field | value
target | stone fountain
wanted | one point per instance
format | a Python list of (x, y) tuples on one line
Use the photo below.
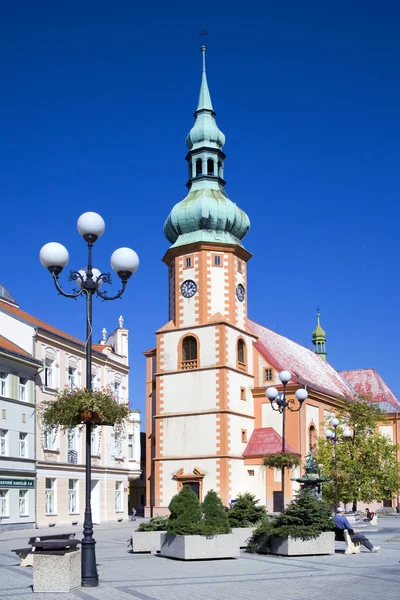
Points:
[(312, 479)]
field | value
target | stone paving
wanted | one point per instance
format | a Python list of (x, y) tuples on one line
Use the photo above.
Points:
[(125, 576)]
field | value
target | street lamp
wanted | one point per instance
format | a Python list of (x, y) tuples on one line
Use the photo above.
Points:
[(331, 436), (279, 403), (124, 262)]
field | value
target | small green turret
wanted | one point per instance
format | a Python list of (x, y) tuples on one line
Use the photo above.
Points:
[(319, 339)]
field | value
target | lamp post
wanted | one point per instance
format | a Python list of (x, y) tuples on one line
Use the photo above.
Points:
[(124, 262), (331, 436), (279, 403)]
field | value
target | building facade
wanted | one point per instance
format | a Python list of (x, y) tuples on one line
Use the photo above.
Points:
[(208, 422), (60, 457), (18, 370)]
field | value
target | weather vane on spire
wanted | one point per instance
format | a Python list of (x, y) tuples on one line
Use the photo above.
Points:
[(202, 34)]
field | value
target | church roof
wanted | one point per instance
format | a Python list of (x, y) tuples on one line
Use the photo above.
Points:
[(370, 383), (264, 441), (306, 367)]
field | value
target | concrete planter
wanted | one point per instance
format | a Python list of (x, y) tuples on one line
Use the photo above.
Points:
[(199, 547), (242, 535), (146, 541), (55, 573), (323, 544)]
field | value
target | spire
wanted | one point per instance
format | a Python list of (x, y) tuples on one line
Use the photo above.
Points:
[(204, 102), (319, 338)]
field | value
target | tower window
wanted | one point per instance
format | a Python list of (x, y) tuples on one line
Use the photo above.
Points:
[(199, 167), (188, 262), (240, 266), (189, 353), (241, 354), (217, 260), (219, 168), (243, 393), (244, 436), (312, 438), (210, 166)]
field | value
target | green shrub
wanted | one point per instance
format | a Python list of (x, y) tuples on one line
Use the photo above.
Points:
[(215, 516), (282, 459), (185, 514), (155, 524), (246, 512), (305, 518)]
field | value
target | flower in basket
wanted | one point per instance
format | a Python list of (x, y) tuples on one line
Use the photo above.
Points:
[(73, 407)]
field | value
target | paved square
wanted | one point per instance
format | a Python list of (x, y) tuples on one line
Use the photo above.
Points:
[(126, 576)]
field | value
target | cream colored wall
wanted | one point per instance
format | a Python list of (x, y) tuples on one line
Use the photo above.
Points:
[(18, 332), (189, 304), (235, 382), (190, 391), (172, 340), (271, 418), (237, 447), (183, 436), (170, 467), (232, 338), (243, 482), (241, 307), (219, 278), (386, 430)]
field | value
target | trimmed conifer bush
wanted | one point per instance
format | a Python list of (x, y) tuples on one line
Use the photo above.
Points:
[(246, 512), (155, 524), (215, 516), (185, 514), (306, 517)]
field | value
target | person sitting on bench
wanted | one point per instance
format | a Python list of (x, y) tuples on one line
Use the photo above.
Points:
[(342, 523)]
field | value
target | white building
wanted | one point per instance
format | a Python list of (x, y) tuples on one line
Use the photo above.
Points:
[(60, 458)]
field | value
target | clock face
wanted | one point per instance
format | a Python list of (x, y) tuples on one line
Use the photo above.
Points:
[(188, 288), (240, 292)]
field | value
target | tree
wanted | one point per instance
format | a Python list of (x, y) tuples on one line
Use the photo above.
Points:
[(246, 511), (185, 513), (215, 517), (367, 465)]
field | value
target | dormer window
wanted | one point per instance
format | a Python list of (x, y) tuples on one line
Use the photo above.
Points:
[(210, 166)]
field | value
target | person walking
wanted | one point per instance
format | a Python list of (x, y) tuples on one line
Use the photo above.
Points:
[(341, 523)]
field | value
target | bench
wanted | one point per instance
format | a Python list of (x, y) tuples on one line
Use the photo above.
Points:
[(25, 554), (351, 547)]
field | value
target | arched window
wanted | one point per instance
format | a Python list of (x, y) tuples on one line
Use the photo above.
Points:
[(189, 353), (241, 353), (210, 166), (199, 167), (312, 438)]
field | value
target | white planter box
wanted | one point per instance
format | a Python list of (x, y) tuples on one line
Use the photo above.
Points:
[(56, 573), (242, 535), (199, 547), (323, 544), (146, 541)]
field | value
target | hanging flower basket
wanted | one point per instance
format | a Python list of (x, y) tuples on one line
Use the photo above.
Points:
[(282, 460), (75, 407)]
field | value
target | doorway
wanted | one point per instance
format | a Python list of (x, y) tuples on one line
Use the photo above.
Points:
[(277, 502), (95, 501)]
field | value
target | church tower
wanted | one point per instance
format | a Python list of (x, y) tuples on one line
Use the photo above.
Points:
[(200, 414), (319, 339)]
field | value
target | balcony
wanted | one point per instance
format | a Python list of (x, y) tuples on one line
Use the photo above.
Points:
[(188, 365)]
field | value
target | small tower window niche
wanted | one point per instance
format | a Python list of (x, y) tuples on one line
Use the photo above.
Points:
[(220, 169), (199, 167), (241, 354), (312, 438), (189, 353), (210, 166)]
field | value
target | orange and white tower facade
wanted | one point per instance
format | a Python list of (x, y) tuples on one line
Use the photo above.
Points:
[(200, 410)]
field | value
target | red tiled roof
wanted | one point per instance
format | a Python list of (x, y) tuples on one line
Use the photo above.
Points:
[(11, 347), (370, 383), (266, 441), (14, 310), (306, 367)]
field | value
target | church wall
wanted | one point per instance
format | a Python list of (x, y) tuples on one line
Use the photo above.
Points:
[(193, 436), (243, 482), (232, 338), (172, 341), (190, 391), (241, 307), (218, 280), (312, 417), (237, 426), (271, 418), (170, 467), (236, 382)]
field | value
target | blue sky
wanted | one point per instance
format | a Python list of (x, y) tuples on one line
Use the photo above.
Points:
[(96, 100)]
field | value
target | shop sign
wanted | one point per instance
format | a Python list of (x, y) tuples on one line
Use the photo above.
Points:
[(17, 483)]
